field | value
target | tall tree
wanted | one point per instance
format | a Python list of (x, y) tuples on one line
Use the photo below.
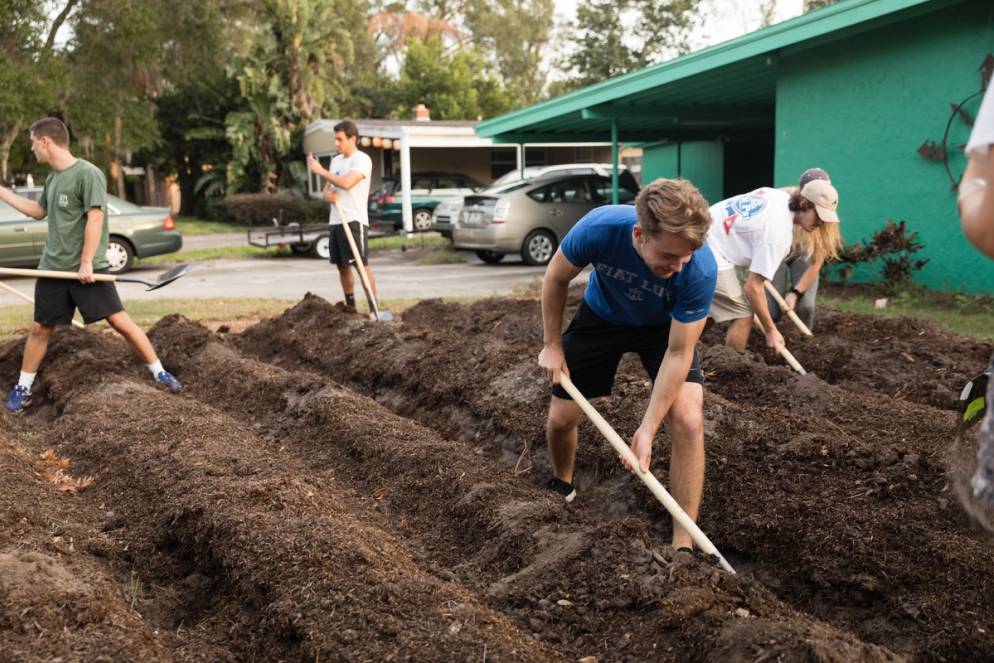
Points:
[(31, 71), (514, 36), (453, 84), (121, 62), (613, 37), (294, 68)]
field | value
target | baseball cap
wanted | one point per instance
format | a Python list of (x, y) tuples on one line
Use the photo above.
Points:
[(825, 198), (812, 174)]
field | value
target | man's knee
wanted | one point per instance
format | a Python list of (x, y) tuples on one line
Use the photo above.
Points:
[(563, 415), (40, 331), (686, 423)]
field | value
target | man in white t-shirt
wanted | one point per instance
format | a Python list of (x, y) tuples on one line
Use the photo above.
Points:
[(756, 230), (347, 183)]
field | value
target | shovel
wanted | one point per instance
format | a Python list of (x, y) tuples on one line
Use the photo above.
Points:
[(784, 352), (671, 505), (30, 300), (153, 284), (377, 314), (778, 298)]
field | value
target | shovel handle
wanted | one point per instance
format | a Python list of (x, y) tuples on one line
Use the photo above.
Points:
[(30, 300), (671, 505), (784, 352), (778, 298), (358, 261), (50, 274)]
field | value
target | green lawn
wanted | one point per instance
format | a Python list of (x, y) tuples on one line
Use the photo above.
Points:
[(964, 314), (191, 225)]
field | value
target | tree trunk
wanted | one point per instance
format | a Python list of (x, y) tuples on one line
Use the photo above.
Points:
[(6, 140), (117, 171)]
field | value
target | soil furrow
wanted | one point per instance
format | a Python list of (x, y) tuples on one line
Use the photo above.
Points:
[(830, 496), (588, 586)]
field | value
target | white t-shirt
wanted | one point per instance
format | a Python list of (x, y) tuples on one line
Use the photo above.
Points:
[(352, 201), (982, 136), (753, 230)]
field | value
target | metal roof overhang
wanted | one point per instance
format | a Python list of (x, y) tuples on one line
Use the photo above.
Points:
[(719, 91)]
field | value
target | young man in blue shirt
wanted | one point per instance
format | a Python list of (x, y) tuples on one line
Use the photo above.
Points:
[(649, 293)]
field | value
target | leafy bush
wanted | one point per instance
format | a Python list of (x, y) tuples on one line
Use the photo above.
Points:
[(894, 245), (259, 209)]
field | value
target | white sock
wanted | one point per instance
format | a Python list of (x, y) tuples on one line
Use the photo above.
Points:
[(26, 380), (156, 368)]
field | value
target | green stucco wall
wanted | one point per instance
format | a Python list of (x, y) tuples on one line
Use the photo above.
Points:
[(861, 107), (700, 162)]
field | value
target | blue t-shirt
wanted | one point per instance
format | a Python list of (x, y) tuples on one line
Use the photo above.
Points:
[(622, 289)]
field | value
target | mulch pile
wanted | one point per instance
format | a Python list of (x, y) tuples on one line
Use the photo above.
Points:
[(330, 488)]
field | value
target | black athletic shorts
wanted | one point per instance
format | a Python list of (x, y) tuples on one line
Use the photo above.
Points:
[(593, 348), (338, 244), (56, 300)]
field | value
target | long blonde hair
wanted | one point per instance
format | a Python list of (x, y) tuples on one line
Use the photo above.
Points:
[(822, 243)]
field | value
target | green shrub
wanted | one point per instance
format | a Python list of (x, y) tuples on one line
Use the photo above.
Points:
[(259, 209), (893, 245)]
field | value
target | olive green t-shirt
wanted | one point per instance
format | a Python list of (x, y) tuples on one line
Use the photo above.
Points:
[(67, 197)]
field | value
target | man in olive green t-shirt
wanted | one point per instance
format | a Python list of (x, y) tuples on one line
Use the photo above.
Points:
[(75, 201)]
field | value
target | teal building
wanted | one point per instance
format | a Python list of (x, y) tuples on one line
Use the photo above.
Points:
[(880, 93)]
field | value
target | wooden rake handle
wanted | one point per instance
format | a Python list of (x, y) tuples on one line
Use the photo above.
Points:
[(358, 261), (18, 293), (784, 352), (778, 298), (702, 541)]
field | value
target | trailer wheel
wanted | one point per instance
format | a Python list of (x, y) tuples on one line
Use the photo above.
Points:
[(322, 247), (304, 249)]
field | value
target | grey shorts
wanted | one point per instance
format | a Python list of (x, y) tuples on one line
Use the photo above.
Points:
[(729, 301)]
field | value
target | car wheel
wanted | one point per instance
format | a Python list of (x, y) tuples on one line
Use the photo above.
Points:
[(490, 257), (538, 247), (422, 220), (322, 247), (302, 249), (120, 255)]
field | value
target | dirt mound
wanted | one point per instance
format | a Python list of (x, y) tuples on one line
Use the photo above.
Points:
[(58, 597), (830, 497), (326, 487), (899, 357)]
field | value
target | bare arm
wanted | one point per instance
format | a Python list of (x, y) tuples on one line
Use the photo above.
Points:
[(23, 205), (91, 240), (976, 205), (555, 286), (755, 292), (672, 374), (346, 181)]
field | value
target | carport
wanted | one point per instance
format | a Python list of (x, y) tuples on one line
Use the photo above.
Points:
[(409, 146)]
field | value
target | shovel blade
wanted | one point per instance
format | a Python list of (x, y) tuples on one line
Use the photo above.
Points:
[(168, 277)]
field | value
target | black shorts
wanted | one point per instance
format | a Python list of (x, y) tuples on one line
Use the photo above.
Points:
[(56, 300), (593, 348), (338, 244)]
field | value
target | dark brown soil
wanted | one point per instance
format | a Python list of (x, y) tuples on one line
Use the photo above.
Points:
[(329, 488)]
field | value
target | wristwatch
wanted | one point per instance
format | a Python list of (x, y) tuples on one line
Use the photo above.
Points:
[(797, 292)]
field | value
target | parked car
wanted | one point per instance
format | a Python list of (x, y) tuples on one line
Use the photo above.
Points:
[(532, 217), (444, 217), (135, 232), (534, 172), (427, 191)]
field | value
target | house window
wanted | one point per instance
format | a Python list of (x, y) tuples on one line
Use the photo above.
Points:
[(502, 160)]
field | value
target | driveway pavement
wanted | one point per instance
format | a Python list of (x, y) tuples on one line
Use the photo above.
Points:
[(399, 275)]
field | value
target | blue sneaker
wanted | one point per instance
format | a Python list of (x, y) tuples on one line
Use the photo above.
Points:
[(168, 379), (18, 398)]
